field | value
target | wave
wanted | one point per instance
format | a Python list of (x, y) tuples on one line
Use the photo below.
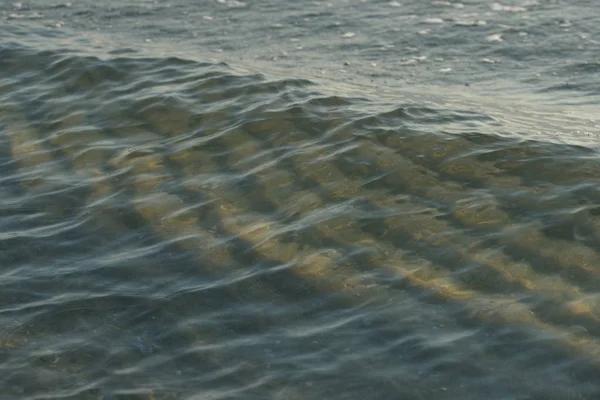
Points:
[(171, 227)]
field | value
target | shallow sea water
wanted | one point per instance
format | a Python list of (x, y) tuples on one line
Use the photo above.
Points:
[(313, 200)]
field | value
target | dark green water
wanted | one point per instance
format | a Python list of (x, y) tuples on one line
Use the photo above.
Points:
[(195, 206)]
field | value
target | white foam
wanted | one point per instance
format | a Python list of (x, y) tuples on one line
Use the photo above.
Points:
[(433, 21), (502, 7)]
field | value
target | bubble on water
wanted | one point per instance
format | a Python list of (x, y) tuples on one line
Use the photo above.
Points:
[(348, 35), (412, 60), (208, 17), (433, 21), (565, 23), (496, 37), (232, 3), (449, 4), (394, 4), (488, 61), (34, 15), (58, 24), (466, 22), (502, 7), (445, 70)]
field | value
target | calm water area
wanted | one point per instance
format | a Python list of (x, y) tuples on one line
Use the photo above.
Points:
[(343, 199)]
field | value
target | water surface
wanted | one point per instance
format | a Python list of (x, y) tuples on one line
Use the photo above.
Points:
[(299, 201)]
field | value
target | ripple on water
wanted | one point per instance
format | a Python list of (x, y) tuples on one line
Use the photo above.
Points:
[(171, 228)]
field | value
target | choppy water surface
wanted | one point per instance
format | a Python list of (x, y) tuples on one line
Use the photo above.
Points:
[(179, 226)]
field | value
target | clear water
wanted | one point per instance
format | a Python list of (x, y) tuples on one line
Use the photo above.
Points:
[(310, 200)]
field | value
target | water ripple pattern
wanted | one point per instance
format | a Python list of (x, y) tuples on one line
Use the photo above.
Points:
[(171, 229)]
